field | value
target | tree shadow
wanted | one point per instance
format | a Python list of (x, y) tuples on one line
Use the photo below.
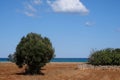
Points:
[(20, 73), (27, 73)]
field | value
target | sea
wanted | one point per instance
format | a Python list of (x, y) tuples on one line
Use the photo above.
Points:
[(57, 60)]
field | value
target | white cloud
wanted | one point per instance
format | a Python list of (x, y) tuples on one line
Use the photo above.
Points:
[(89, 23), (30, 7), (33, 7), (29, 14), (72, 6), (36, 2)]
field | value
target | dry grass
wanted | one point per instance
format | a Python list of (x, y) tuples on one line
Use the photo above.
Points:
[(58, 71)]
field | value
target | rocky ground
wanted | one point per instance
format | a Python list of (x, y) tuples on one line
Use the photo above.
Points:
[(62, 71)]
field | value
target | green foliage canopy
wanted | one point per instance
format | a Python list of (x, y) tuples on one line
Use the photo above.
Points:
[(34, 51), (107, 56)]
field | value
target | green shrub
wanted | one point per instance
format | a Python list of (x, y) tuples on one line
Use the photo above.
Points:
[(34, 51), (11, 57), (107, 56)]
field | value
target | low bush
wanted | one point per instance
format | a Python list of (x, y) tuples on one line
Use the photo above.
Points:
[(107, 56)]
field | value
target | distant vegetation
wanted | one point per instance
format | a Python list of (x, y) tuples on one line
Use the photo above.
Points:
[(11, 57), (34, 51), (107, 56)]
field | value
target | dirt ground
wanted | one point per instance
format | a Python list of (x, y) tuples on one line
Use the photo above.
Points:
[(58, 71)]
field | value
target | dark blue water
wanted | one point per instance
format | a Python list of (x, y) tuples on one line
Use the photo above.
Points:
[(69, 60), (57, 60), (4, 60)]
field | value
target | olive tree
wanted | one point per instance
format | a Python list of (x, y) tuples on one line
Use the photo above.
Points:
[(33, 51)]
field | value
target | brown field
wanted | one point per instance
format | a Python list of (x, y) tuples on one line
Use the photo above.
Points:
[(58, 71)]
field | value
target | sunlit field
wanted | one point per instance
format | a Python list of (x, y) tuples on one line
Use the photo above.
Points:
[(58, 71)]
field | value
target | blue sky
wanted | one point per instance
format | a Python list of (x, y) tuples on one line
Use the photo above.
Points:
[(75, 27)]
